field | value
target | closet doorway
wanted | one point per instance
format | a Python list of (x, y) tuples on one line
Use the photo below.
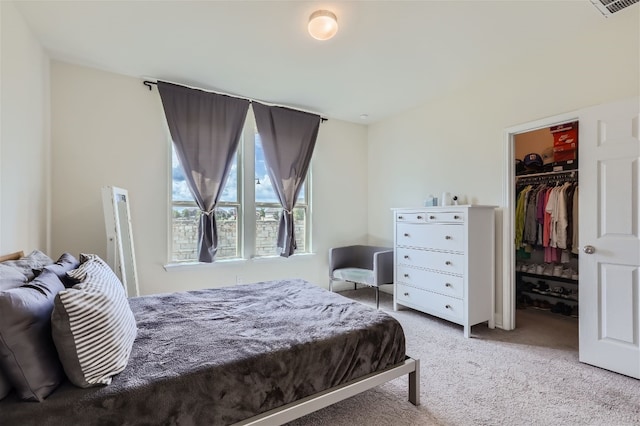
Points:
[(546, 227), (540, 276)]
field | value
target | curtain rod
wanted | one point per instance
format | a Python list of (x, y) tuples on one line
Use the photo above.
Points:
[(148, 83)]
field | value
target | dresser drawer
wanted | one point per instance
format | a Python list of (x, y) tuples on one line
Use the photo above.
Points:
[(445, 217), (451, 263), (449, 285), (448, 237), (420, 217), (431, 303)]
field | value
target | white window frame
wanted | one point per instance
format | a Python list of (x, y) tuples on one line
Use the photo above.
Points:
[(246, 205)]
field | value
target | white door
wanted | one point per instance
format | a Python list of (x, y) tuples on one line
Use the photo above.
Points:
[(609, 200)]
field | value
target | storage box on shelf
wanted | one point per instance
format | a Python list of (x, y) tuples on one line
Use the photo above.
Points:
[(565, 146), (444, 262), (565, 165)]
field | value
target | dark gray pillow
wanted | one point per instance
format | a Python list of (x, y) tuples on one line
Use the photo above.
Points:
[(34, 260), (27, 354), (5, 385), (95, 311), (64, 264), (10, 277)]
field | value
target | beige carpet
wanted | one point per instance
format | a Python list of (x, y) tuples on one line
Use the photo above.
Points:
[(529, 376)]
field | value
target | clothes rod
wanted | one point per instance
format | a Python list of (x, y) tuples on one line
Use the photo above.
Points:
[(557, 177), (148, 83), (560, 172)]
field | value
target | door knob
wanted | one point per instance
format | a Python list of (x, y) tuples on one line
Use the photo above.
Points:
[(589, 249)]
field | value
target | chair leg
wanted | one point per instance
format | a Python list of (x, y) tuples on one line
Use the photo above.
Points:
[(377, 297), (355, 286), (331, 284)]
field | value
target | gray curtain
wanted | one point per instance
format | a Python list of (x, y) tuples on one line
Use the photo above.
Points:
[(288, 138), (205, 128)]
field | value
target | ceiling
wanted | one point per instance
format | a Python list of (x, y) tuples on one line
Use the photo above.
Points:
[(387, 57)]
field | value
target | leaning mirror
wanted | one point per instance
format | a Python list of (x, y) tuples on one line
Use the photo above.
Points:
[(120, 252)]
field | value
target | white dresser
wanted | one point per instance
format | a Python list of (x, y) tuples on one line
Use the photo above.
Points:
[(444, 262)]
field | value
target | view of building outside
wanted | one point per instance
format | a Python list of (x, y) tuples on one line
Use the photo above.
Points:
[(186, 215), (185, 234)]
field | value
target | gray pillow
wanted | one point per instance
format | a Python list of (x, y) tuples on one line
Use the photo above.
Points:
[(27, 354), (34, 260), (95, 311), (10, 277), (5, 385), (64, 264)]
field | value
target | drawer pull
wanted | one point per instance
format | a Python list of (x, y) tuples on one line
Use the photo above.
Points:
[(406, 294), (400, 217), (448, 237), (432, 217), (448, 263), (419, 217), (406, 256), (447, 285), (406, 275), (406, 235), (456, 217), (448, 307)]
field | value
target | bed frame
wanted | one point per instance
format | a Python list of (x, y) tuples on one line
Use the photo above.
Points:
[(312, 403)]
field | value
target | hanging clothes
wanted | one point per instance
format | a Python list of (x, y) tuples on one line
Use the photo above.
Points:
[(570, 197), (521, 206), (575, 245), (546, 218)]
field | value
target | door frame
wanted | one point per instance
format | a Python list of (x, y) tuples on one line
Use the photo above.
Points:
[(509, 202)]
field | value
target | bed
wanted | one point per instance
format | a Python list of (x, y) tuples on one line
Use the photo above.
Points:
[(262, 353)]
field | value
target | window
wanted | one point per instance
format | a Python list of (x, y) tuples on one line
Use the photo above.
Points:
[(268, 210), (248, 189), (186, 216)]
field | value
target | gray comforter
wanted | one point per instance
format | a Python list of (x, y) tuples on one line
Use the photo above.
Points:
[(217, 356)]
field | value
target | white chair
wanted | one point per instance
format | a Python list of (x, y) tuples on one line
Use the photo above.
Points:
[(361, 264)]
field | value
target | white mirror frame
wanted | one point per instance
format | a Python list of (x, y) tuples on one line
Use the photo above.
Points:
[(120, 252)]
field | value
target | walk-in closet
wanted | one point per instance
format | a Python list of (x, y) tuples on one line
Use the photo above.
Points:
[(546, 222)]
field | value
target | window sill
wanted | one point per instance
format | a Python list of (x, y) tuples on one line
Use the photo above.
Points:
[(183, 266)]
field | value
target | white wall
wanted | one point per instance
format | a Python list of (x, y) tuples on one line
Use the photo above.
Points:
[(109, 129), (24, 136), (456, 143)]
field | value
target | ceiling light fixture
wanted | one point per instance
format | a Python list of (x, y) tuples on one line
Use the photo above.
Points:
[(323, 25)]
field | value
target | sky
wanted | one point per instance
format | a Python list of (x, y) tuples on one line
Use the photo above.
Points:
[(264, 190)]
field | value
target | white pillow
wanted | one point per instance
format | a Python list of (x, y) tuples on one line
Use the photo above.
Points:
[(92, 324), (34, 260)]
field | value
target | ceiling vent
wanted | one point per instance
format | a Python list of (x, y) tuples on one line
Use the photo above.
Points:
[(609, 7)]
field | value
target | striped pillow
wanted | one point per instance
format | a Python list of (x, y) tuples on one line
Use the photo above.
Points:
[(92, 324)]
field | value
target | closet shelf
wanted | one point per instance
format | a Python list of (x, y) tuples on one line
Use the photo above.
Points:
[(548, 277), (537, 294)]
